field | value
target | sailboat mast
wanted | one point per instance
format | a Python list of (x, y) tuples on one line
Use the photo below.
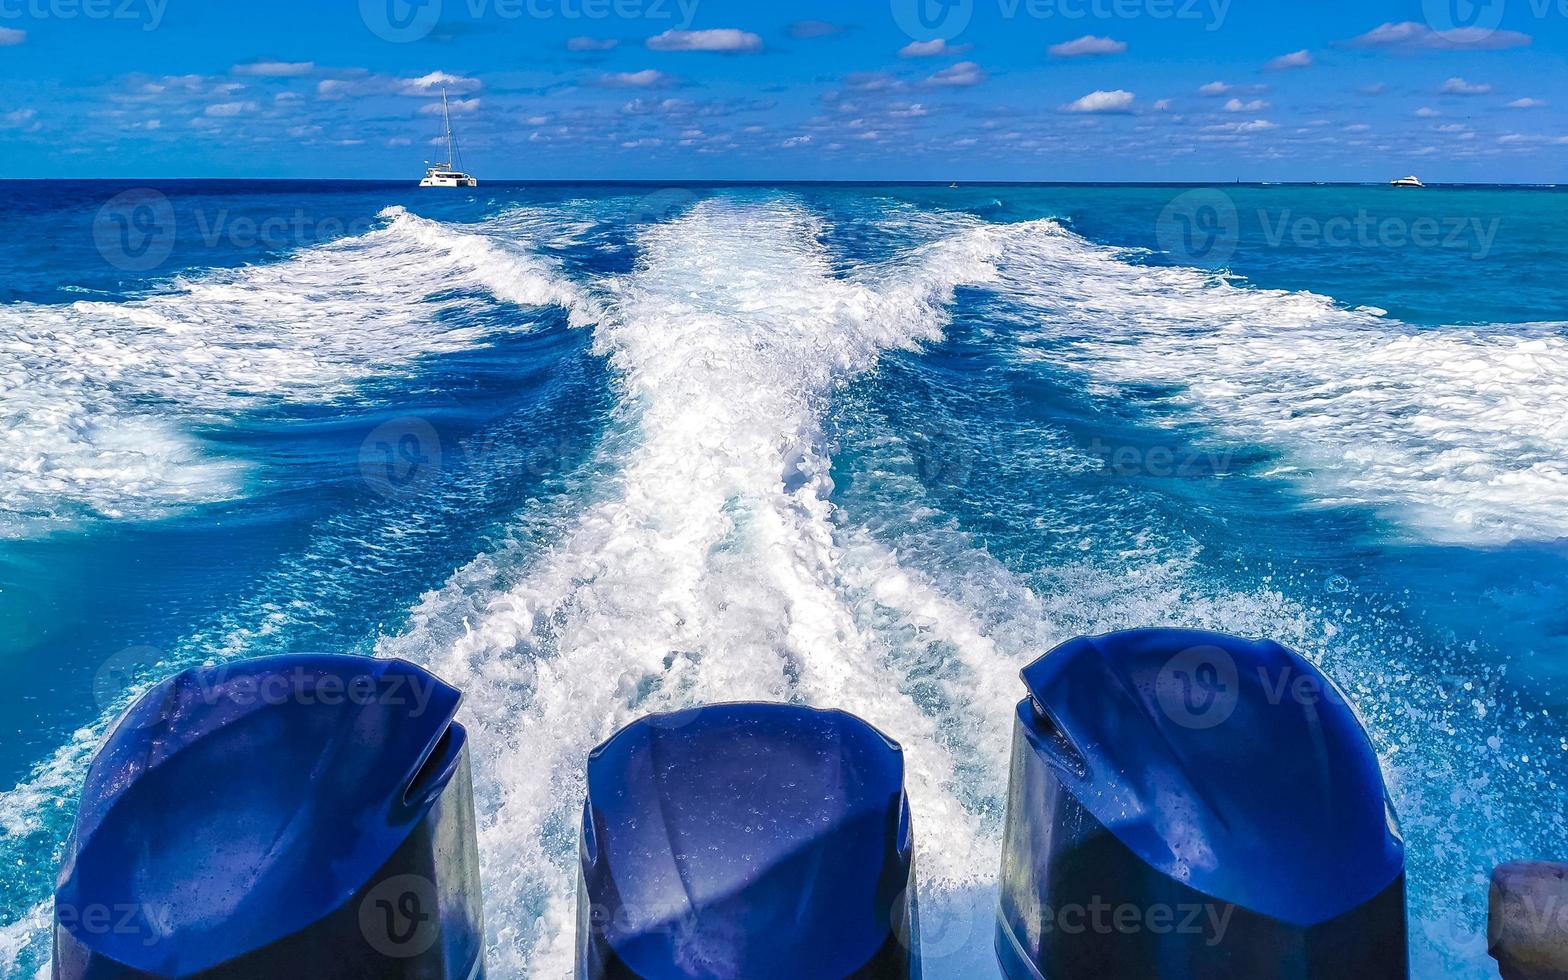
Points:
[(446, 113)]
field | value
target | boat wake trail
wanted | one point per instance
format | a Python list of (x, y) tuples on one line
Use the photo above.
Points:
[(100, 400), (711, 568), (1456, 433), (703, 553)]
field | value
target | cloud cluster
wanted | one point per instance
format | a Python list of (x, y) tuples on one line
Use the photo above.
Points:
[(1459, 86), (961, 75), (726, 40), (1411, 36), (1102, 102), (1296, 59), (275, 69), (646, 78), (1087, 46), (930, 49)]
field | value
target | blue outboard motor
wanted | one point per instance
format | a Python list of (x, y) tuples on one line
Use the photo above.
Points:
[(747, 842), (292, 817), (1186, 804)]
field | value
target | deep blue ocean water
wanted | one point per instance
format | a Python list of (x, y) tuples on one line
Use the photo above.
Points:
[(591, 451)]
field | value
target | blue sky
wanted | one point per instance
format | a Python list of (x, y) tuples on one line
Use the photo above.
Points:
[(883, 89)]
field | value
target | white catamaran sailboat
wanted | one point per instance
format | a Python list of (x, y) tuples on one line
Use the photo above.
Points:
[(448, 174)]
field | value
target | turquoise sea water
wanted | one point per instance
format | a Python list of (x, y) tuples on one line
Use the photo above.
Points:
[(591, 451)]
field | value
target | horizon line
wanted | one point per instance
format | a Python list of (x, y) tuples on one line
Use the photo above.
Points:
[(764, 181)]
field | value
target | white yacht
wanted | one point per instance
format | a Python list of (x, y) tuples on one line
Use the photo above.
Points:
[(449, 173), (1407, 182)]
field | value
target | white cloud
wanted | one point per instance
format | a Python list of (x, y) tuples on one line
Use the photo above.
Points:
[(1215, 88), (724, 39), (223, 110), (647, 78), (963, 74), (17, 119), (1236, 105), (1458, 86), (1427, 112), (10, 36), (433, 83), (1296, 59), (1511, 138), (1419, 37), (1255, 126), (1358, 128), (1376, 88), (592, 44), (276, 69), (460, 107), (930, 49), (1100, 102), (1086, 46), (1162, 106), (1526, 103)]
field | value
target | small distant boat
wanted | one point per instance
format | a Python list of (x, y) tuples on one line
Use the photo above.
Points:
[(952, 187), (1407, 182), (448, 173)]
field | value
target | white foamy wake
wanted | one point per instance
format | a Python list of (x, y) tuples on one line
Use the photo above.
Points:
[(711, 568), (1457, 432), (98, 400)]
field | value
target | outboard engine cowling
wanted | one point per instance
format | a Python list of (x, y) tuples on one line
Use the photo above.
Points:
[(1186, 804), (291, 817), (747, 841)]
